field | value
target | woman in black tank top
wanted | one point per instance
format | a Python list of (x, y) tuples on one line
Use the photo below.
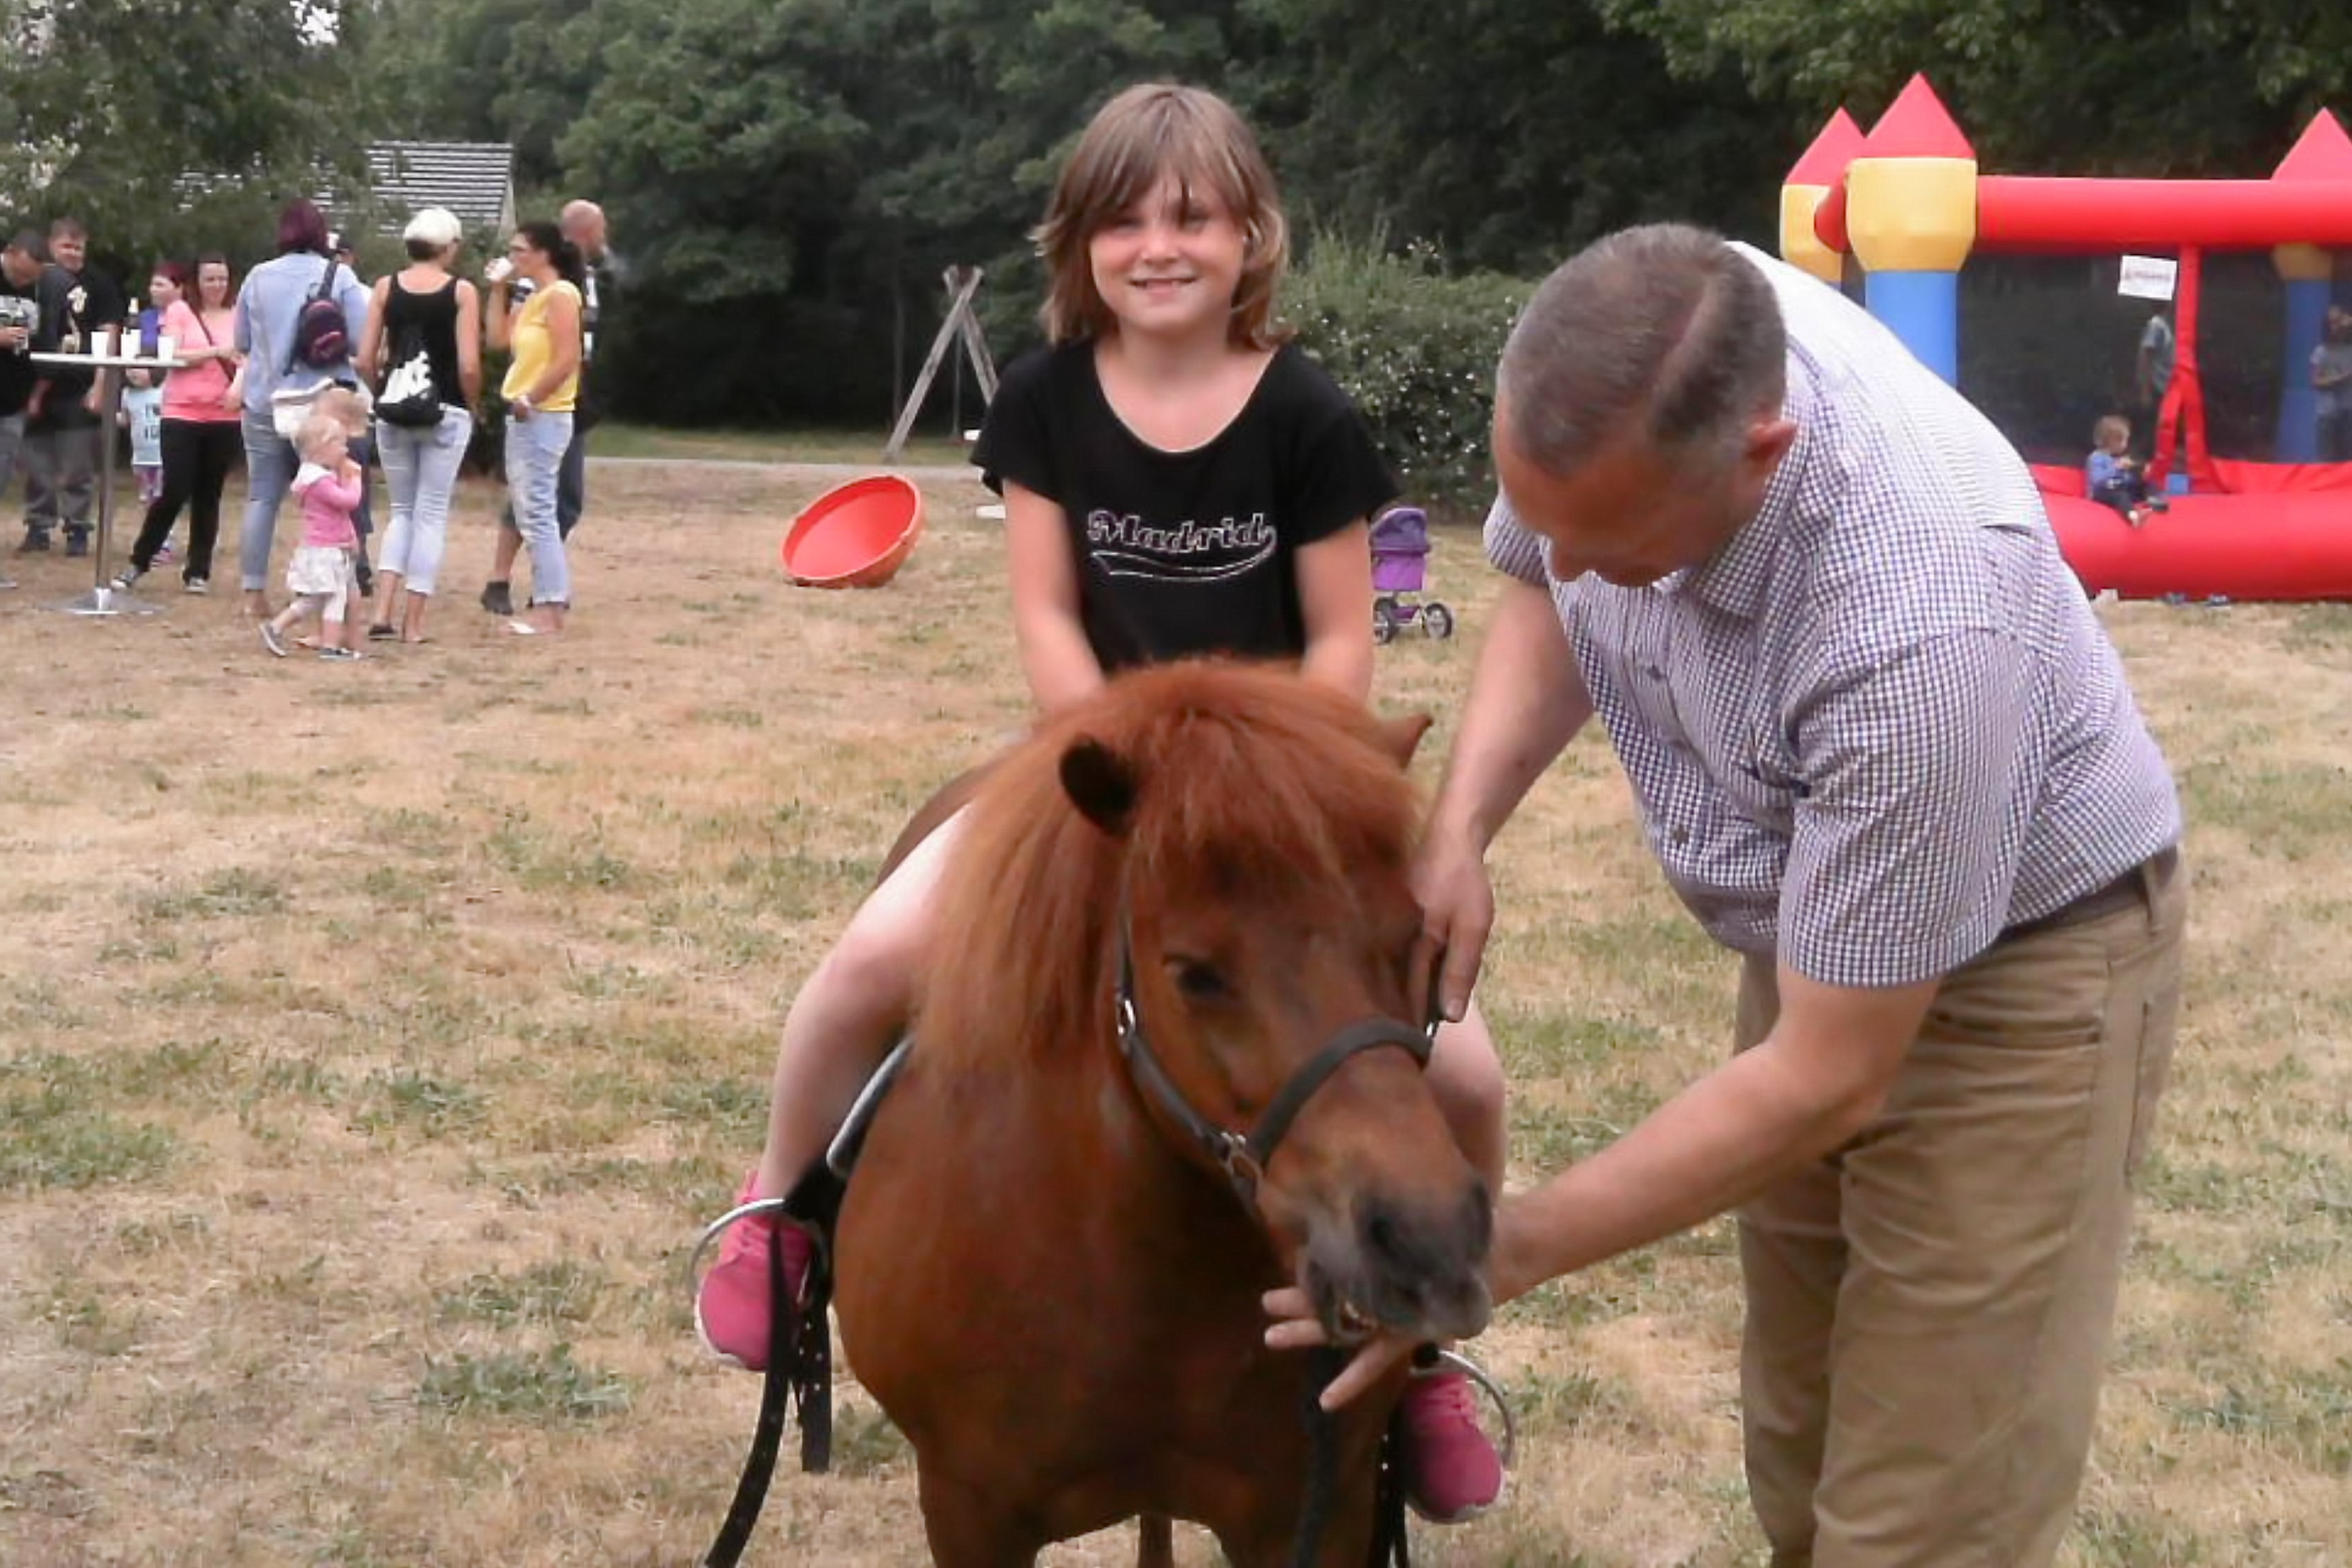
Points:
[(423, 356)]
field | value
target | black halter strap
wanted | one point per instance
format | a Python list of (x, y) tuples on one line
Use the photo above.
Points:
[(1244, 1157)]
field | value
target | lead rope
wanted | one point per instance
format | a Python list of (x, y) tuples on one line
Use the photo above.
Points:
[(1323, 1365), (1392, 1542), (800, 1365)]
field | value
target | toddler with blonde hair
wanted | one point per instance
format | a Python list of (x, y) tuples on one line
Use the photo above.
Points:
[(321, 577)]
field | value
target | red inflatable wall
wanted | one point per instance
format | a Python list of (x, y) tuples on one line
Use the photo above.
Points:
[(2292, 546)]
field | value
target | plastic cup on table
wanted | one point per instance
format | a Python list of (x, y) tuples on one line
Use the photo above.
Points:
[(167, 347)]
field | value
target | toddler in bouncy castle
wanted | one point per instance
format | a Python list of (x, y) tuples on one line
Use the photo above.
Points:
[(2112, 477), (321, 576)]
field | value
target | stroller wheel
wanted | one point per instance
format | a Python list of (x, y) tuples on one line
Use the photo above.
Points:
[(1437, 620), (1384, 620)]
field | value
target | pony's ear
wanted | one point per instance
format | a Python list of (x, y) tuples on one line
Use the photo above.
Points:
[(1401, 737), (1100, 784)]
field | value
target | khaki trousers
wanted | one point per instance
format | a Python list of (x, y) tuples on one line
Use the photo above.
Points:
[(1928, 1309)]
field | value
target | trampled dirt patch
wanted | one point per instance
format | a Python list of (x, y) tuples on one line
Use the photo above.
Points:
[(373, 1039)]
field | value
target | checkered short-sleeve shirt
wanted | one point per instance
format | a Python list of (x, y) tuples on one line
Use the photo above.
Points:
[(1882, 723)]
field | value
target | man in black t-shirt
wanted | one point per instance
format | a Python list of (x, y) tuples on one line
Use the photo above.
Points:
[(20, 316), (583, 226), (61, 426)]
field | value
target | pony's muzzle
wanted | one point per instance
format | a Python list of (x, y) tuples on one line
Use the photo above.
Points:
[(1412, 1268)]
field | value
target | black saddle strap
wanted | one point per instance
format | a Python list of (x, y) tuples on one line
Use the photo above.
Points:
[(800, 1366)]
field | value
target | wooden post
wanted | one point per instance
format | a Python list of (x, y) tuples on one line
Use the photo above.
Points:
[(960, 326)]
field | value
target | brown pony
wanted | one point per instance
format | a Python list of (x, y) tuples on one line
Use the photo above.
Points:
[(1048, 1281)]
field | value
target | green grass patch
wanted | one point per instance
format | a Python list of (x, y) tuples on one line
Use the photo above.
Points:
[(561, 1291), (238, 893), (2287, 811), (2306, 1417), (415, 1102), (55, 1144), (546, 1385), (542, 857)]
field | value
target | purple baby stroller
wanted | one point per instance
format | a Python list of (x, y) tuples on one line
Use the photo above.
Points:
[(1399, 556)]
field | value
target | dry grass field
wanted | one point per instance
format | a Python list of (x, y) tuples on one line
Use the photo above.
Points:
[(374, 1037)]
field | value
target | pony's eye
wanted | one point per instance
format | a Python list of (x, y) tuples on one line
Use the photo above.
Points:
[(1199, 980)]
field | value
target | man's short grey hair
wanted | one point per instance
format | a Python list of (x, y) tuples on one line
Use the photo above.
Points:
[(1665, 326)]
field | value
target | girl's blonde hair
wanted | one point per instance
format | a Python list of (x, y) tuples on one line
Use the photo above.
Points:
[(2111, 428), (1142, 135), (342, 405), (316, 431)]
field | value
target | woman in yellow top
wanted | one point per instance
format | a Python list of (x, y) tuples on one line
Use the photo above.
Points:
[(541, 385)]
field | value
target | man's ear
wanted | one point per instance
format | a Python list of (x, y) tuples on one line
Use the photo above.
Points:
[(1768, 442)]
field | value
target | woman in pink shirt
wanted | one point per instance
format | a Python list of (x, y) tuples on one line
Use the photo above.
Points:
[(201, 432)]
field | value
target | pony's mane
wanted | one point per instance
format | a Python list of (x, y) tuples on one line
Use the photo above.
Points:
[(1268, 779)]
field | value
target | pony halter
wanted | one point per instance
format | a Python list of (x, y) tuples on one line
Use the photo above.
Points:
[(1244, 1157)]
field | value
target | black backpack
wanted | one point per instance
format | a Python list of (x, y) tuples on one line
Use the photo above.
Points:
[(409, 397), (322, 338)]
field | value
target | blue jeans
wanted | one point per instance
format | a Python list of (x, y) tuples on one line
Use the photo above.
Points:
[(534, 456), (571, 485), (269, 465), (420, 465)]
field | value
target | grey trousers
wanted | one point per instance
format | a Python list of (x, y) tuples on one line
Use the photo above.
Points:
[(60, 478), (12, 441)]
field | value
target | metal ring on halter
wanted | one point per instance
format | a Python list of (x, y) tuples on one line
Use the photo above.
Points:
[(1494, 1393), (718, 1227)]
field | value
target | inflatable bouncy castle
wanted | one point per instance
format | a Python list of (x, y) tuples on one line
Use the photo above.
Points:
[(1908, 205)]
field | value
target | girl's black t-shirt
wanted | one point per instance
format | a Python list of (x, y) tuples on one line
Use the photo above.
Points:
[(1186, 552)]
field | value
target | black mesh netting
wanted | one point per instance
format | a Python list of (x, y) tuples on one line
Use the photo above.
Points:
[(2047, 346)]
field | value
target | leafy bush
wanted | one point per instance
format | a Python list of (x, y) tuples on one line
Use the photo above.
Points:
[(1416, 350)]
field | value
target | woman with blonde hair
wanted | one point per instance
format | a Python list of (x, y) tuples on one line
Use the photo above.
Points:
[(423, 336)]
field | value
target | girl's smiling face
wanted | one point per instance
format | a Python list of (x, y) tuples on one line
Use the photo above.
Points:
[(1170, 263)]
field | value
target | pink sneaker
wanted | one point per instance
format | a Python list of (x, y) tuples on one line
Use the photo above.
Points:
[(1450, 1471), (731, 1308)]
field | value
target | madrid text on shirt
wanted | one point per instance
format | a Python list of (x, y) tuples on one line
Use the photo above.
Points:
[(1190, 552)]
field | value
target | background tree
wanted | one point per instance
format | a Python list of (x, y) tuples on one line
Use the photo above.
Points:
[(107, 105), (1506, 133), (517, 71), (2141, 86), (788, 178)]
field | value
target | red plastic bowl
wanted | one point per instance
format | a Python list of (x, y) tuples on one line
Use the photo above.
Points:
[(855, 535)]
